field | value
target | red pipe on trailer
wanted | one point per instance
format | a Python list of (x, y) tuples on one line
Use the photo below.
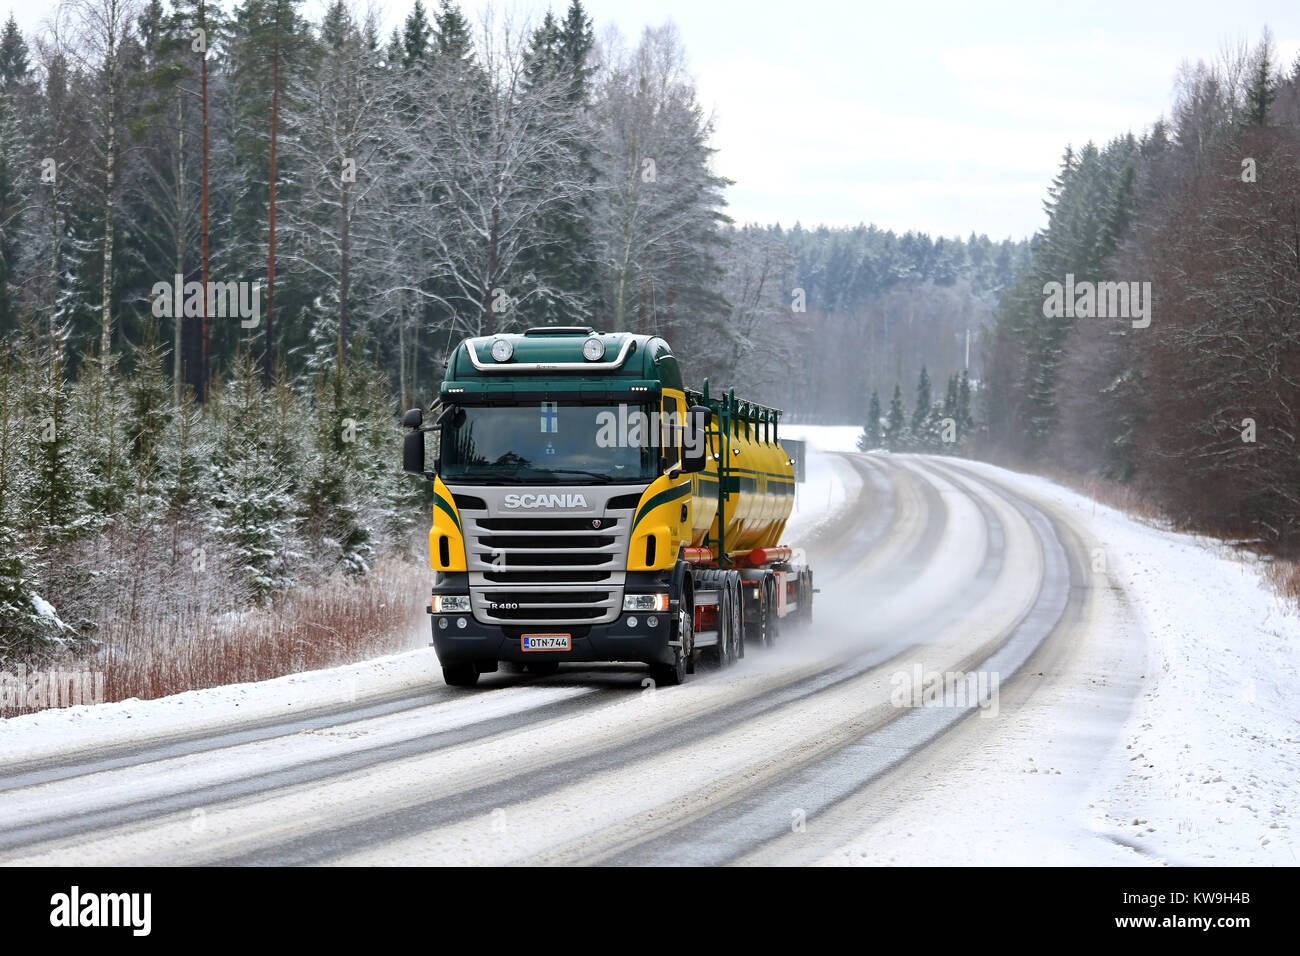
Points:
[(761, 556)]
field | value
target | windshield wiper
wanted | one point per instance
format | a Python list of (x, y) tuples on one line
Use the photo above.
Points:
[(490, 476), (603, 479)]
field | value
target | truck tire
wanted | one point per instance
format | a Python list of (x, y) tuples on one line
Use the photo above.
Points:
[(721, 654), (806, 597), (670, 675), (762, 626), (737, 618), (773, 622), (463, 674)]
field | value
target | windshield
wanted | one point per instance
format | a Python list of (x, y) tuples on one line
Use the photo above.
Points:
[(547, 443)]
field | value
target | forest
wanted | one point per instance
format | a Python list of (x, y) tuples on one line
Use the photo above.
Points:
[(168, 463), (1197, 412)]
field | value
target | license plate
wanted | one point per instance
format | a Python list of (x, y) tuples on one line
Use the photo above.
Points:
[(546, 642)]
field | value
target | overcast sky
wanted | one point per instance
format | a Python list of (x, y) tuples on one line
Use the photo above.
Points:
[(944, 116)]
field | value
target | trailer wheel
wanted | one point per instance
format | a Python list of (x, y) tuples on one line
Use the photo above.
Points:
[(806, 597), (762, 628), (463, 674), (737, 616), (670, 675), (722, 654), (773, 622)]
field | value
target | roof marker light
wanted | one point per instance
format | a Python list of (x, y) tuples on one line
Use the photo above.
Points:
[(593, 350), (502, 350)]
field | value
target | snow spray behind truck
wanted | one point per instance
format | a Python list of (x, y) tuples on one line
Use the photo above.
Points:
[(589, 507)]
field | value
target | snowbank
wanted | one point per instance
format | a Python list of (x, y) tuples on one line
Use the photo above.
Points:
[(60, 733), (1169, 732), (1208, 768)]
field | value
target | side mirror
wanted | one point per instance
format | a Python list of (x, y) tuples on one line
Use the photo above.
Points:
[(413, 451), (695, 450), (413, 418)]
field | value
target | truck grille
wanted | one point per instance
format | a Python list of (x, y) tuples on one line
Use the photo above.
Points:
[(521, 606), (546, 570)]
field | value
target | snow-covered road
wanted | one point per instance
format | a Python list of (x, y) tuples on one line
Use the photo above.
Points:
[(1120, 697)]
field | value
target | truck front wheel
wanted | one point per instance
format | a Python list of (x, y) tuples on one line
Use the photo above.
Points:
[(670, 675)]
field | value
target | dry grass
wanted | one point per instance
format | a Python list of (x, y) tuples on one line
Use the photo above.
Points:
[(1113, 494), (338, 621), (1284, 576)]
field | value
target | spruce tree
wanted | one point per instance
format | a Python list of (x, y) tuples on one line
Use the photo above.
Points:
[(21, 629), (14, 68), (965, 423), (1262, 90), (149, 410), (332, 493), (871, 433), (921, 411), (55, 502), (15, 62), (416, 36), (896, 422), (452, 36), (252, 514)]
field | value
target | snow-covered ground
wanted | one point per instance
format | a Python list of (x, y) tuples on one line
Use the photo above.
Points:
[(829, 481), (1207, 769), (1170, 733), (65, 731)]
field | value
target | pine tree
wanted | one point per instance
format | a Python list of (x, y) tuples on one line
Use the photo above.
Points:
[(149, 411), (14, 69), (21, 628), (332, 514), (921, 411), (416, 36), (896, 422), (99, 418), (252, 509), (1262, 90), (13, 155), (184, 455), (965, 423), (871, 433), (62, 479), (453, 42), (14, 60)]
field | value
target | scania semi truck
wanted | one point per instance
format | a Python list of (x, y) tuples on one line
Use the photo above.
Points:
[(587, 506)]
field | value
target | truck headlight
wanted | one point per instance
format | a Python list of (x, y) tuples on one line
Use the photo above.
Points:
[(450, 603), (646, 602)]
